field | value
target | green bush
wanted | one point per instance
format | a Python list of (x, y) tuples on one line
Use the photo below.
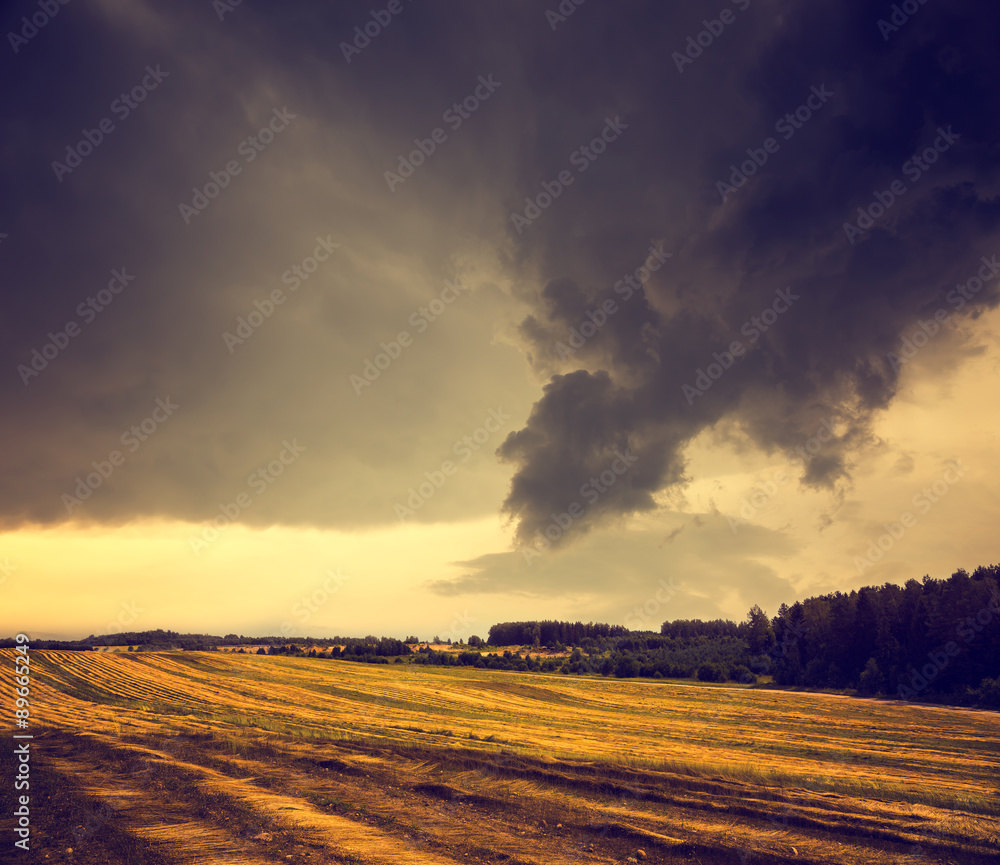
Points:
[(709, 673), (627, 667), (871, 680), (988, 694)]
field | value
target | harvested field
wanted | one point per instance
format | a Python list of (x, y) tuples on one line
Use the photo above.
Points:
[(206, 758)]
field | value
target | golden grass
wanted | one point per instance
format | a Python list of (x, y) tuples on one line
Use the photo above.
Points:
[(477, 760)]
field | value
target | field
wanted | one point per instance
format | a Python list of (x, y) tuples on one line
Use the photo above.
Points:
[(227, 758)]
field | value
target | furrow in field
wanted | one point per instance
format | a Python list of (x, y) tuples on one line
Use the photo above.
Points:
[(175, 825)]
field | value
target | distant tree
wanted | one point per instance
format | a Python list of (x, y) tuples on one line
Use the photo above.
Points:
[(760, 633), (261, 651), (476, 642)]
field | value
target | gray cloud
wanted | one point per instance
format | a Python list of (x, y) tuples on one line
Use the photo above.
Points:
[(700, 562), (661, 369)]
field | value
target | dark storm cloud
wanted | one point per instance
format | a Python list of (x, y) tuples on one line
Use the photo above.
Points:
[(337, 127), (769, 313), (616, 402)]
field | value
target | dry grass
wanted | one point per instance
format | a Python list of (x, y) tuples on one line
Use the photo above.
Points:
[(237, 758)]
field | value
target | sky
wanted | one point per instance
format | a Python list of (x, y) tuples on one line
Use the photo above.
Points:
[(408, 318)]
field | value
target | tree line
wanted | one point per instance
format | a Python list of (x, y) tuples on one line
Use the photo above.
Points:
[(935, 640), (549, 632)]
